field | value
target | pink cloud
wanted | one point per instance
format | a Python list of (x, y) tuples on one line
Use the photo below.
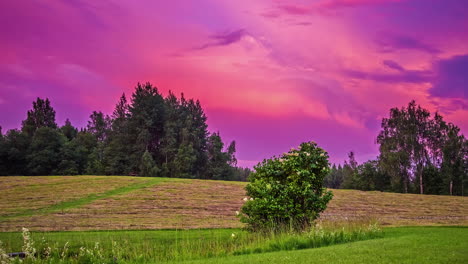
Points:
[(266, 83)]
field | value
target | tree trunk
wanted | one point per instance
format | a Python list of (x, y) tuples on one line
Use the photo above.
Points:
[(451, 187), (421, 188)]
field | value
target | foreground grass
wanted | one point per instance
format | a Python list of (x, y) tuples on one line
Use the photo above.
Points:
[(399, 245), (394, 245), (175, 245)]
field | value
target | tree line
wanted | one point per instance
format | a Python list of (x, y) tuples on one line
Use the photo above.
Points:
[(419, 153), (151, 136)]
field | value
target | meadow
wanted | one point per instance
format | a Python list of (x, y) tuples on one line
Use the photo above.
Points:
[(144, 220)]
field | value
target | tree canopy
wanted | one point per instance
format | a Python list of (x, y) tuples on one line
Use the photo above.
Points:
[(419, 153), (151, 135)]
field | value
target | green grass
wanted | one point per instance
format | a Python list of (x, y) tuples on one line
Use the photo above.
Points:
[(64, 205), (178, 245), (395, 245), (399, 245)]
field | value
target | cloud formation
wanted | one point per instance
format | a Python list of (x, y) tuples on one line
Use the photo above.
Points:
[(452, 78), (389, 42), (224, 39), (270, 74)]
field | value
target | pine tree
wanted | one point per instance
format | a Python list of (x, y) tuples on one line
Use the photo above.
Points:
[(68, 130), (146, 123), (42, 115), (117, 149)]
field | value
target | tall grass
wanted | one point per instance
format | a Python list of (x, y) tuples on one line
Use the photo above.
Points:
[(180, 245)]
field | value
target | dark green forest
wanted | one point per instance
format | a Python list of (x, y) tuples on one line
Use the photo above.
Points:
[(155, 136), (149, 135), (419, 153)]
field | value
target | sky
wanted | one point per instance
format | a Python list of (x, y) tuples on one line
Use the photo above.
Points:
[(270, 74)]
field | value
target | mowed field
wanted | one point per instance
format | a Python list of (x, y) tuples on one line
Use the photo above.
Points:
[(60, 203)]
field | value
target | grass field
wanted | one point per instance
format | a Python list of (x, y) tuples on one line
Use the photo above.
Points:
[(394, 245), (399, 245), (114, 203), (197, 224)]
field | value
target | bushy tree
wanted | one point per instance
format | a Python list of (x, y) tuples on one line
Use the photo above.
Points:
[(69, 130), (147, 166), (42, 115), (14, 153), (335, 178), (44, 151), (287, 192)]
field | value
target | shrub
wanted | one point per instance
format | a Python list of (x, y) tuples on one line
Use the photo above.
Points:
[(287, 192)]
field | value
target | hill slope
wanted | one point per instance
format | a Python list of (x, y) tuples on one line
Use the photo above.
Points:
[(114, 202)]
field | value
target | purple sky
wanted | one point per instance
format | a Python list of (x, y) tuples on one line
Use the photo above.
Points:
[(270, 74)]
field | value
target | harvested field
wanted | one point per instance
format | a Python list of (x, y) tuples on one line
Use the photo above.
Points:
[(111, 203)]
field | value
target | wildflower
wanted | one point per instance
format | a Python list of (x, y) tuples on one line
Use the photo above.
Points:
[(233, 235), (237, 212), (251, 199), (4, 258), (307, 153), (245, 199), (281, 160), (321, 155), (64, 251), (28, 244)]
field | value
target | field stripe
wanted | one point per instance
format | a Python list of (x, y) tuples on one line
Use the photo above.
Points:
[(65, 205)]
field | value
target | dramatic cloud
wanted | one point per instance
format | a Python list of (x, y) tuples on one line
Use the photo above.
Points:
[(224, 39), (393, 65), (390, 42), (324, 7), (452, 78), (269, 74), (403, 77)]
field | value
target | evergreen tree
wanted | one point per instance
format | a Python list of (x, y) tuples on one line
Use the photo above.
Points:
[(15, 150), (218, 167), (118, 148), (44, 152), (146, 123), (147, 166), (68, 130), (42, 115)]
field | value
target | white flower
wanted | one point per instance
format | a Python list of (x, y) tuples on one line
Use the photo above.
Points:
[(321, 155), (251, 199), (233, 235), (245, 199), (237, 212)]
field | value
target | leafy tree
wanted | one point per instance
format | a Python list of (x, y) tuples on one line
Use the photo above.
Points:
[(147, 166), (287, 191), (15, 148), (99, 126), (335, 178), (70, 159), (68, 130), (454, 166), (402, 143), (349, 172), (42, 115), (44, 151), (218, 167)]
